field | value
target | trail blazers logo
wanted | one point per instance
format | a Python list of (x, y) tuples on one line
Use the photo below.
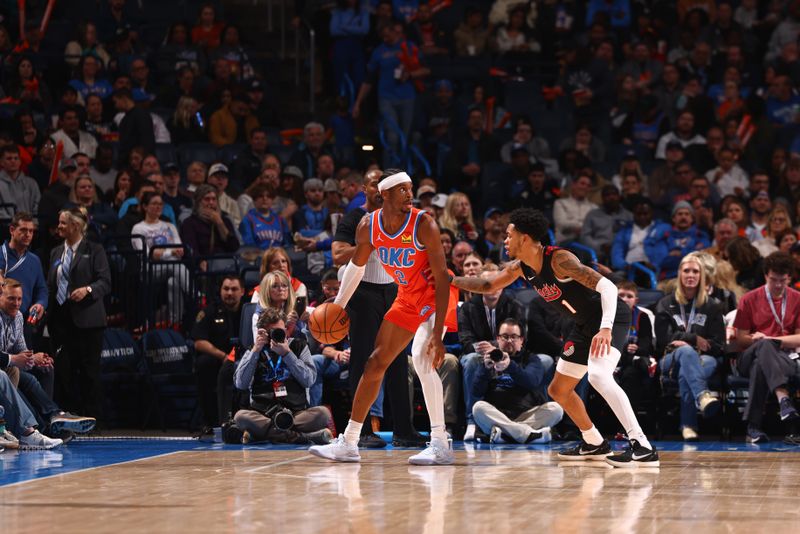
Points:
[(569, 349), (405, 239), (549, 292)]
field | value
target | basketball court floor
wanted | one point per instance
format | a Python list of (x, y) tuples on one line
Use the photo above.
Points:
[(182, 485)]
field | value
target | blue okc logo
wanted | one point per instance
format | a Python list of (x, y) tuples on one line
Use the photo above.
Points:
[(396, 257)]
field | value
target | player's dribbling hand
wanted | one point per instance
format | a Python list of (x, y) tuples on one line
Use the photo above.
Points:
[(601, 343)]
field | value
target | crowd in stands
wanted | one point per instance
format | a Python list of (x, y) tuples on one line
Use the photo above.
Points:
[(661, 139)]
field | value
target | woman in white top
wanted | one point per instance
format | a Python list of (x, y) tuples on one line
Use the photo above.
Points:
[(158, 232)]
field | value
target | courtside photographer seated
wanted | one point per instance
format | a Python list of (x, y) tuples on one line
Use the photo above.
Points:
[(277, 371), (509, 382)]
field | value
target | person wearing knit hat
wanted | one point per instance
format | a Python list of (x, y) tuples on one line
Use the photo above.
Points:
[(684, 237), (682, 205)]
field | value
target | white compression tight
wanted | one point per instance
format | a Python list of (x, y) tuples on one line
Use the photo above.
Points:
[(429, 378), (601, 377)]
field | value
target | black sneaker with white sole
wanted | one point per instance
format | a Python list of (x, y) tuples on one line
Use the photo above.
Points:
[(584, 451), (636, 455)]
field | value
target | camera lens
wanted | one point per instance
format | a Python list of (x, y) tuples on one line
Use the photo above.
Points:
[(283, 419), (278, 335), (496, 355)]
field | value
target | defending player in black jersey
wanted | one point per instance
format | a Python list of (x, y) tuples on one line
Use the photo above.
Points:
[(594, 345)]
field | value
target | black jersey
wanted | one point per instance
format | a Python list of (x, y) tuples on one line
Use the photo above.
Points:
[(567, 296)]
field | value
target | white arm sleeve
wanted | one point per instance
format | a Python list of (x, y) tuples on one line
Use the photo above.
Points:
[(608, 299), (350, 280)]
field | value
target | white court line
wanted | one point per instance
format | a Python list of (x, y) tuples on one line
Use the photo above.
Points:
[(276, 464), (4, 486)]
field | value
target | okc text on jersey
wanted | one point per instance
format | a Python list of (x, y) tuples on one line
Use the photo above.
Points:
[(396, 257)]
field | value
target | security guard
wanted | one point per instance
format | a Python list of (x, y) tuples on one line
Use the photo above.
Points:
[(212, 333)]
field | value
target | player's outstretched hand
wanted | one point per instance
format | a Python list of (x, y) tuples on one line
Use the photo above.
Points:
[(601, 343)]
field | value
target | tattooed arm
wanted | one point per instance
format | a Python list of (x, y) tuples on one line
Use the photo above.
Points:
[(566, 265), (478, 284)]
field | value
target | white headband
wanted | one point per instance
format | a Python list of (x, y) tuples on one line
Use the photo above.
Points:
[(393, 180)]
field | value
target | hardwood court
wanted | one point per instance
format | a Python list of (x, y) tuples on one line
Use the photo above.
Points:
[(494, 491)]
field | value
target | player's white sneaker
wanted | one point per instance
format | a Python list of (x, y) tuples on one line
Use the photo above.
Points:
[(437, 452), (338, 451)]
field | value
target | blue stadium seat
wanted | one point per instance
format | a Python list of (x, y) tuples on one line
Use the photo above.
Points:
[(282, 152), (165, 152), (226, 154), (246, 325), (189, 152), (122, 373), (523, 98), (169, 360)]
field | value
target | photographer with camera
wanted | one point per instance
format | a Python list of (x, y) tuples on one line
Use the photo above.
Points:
[(509, 382), (277, 371)]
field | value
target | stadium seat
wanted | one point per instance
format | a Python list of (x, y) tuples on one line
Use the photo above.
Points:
[(165, 153), (523, 98), (189, 152), (122, 373), (246, 325), (226, 154), (169, 360)]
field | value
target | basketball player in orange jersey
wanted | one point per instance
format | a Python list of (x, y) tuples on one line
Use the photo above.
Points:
[(595, 343), (408, 244)]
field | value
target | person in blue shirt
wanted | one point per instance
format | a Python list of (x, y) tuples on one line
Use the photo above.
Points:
[(395, 67), (86, 81), (260, 227), (509, 384), (349, 26), (683, 238), (783, 105), (313, 218), (19, 263), (618, 12), (637, 241)]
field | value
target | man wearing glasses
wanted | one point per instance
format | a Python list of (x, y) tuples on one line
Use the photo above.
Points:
[(767, 321), (510, 381)]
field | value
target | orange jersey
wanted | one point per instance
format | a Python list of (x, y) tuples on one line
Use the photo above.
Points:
[(405, 259)]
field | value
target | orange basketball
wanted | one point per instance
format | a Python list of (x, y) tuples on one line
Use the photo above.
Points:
[(329, 323)]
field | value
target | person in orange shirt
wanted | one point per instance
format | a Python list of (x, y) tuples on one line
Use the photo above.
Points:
[(208, 30)]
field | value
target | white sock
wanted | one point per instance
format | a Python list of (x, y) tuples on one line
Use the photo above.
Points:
[(353, 432), (439, 433), (592, 436), (601, 377)]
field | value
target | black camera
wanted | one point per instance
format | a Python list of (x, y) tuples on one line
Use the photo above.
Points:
[(282, 417), (278, 335), (496, 355)]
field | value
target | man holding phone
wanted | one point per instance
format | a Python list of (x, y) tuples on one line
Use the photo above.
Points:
[(277, 370)]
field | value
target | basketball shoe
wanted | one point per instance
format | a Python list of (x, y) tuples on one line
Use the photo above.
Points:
[(437, 452), (636, 455), (338, 451), (583, 451)]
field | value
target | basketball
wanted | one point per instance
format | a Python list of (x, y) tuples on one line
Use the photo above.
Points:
[(329, 323)]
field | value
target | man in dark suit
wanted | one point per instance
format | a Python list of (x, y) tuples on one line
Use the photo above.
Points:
[(478, 321), (78, 280)]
